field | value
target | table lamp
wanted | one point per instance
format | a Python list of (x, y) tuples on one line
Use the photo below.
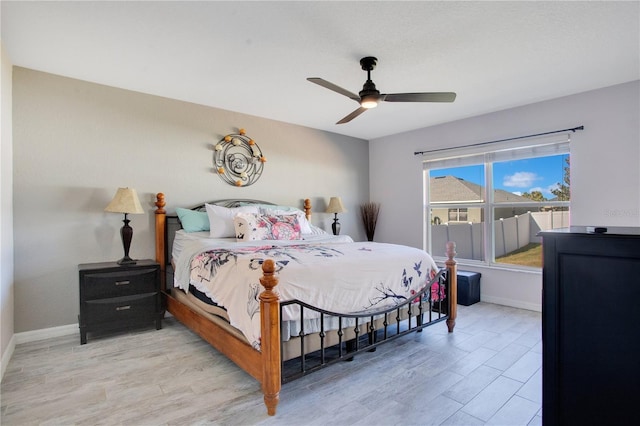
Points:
[(335, 207), (125, 201)]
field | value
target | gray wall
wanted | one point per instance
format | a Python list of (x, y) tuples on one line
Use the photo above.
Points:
[(76, 142), (605, 177), (6, 210)]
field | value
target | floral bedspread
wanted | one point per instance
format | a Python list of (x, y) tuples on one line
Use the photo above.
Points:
[(344, 277)]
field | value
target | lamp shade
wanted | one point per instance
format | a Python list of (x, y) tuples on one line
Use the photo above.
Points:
[(125, 201), (335, 206)]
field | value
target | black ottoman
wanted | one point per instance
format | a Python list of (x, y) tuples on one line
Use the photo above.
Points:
[(468, 287)]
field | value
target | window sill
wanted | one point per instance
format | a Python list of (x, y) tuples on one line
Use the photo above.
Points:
[(462, 263)]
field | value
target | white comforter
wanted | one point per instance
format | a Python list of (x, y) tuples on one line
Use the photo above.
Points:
[(332, 273)]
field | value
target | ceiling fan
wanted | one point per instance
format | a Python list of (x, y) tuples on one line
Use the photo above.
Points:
[(369, 96)]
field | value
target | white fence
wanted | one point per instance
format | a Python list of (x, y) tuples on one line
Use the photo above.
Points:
[(511, 233)]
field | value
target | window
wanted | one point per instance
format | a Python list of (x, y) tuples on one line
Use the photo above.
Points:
[(458, 215), (492, 204)]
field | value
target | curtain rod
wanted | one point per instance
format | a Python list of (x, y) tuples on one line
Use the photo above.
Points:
[(502, 140)]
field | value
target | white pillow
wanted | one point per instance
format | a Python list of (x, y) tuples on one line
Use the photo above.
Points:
[(317, 231), (305, 226), (221, 219)]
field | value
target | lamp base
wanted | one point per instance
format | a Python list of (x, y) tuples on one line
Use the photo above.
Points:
[(126, 232), (335, 226), (127, 261)]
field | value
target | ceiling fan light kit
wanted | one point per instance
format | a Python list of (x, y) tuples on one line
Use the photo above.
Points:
[(369, 102), (369, 96)]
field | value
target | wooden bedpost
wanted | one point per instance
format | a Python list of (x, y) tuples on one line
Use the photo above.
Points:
[(270, 339), (452, 280), (307, 208), (161, 217)]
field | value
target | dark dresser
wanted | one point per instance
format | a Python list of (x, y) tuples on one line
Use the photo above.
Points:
[(591, 326), (116, 296)]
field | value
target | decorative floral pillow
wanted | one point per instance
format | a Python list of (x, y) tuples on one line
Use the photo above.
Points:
[(305, 226), (247, 229), (283, 227), (255, 227)]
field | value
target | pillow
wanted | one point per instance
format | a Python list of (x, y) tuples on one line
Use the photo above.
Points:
[(221, 219), (317, 231), (305, 226), (247, 229), (256, 227), (287, 209), (193, 221), (283, 227)]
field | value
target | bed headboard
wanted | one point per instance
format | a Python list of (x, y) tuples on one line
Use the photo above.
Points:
[(167, 225), (230, 203)]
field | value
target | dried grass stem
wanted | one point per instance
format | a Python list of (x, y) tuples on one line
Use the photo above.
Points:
[(369, 212)]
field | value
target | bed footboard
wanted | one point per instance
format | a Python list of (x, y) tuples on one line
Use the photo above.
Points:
[(318, 338)]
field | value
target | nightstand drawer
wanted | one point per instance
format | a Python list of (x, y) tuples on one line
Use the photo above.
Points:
[(117, 309), (121, 283)]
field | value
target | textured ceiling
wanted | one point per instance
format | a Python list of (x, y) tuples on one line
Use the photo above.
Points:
[(254, 57)]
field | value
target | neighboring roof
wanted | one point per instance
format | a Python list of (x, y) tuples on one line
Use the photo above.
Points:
[(451, 189)]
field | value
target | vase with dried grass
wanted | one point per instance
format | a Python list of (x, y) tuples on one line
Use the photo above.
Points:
[(369, 212)]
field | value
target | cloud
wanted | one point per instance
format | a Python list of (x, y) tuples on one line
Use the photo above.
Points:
[(520, 180), (546, 191), (552, 187)]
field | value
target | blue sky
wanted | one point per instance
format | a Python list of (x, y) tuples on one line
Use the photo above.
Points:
[(527, 175)]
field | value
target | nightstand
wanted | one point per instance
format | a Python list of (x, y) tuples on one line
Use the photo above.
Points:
[(116, 296)]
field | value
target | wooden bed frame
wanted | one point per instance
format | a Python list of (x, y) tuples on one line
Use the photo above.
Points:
[(265, 365)]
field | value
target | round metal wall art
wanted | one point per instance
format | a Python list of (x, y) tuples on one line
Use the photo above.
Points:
[(238, 159)]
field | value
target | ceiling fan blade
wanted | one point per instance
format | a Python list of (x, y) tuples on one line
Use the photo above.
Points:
[(351, 116), (421, 97), (337, 89)]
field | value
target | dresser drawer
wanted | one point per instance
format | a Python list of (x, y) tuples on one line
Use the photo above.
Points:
[(99, 285), (121, 309)]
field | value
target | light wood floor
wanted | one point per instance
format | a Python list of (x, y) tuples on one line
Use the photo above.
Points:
[(487, 372)]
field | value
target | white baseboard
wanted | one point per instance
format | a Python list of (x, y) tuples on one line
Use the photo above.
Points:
[(513, 303), (33, 336), (46, 333), (6, 356)]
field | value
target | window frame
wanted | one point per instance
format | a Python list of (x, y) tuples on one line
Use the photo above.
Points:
[(538, 147), (458, 211)]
